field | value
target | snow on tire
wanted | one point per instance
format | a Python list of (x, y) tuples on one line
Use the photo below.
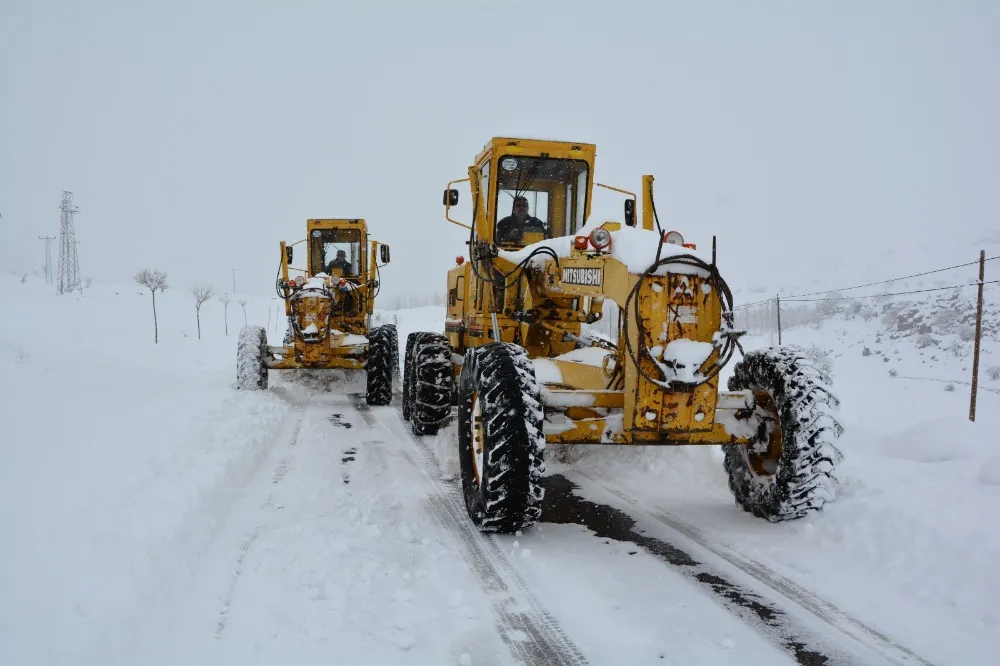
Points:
[(251, 359), (792, 469), (428, 382), (500, 438), (379, 366)]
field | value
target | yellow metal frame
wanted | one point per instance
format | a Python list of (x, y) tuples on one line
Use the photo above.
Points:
[(447, 205)]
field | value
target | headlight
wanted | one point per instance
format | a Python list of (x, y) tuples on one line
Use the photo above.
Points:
[(600, 238), (673, 237)]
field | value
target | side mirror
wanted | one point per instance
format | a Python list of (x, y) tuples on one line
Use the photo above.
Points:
[(289, 253), (384, 253), (630, 212), (450, 198)]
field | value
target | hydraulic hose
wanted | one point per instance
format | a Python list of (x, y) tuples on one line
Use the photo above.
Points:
[(729, 337)]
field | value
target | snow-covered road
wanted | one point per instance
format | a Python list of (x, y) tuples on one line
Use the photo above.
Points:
[(347, 545), (159, 515)]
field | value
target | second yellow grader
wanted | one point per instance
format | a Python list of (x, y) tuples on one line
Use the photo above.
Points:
[(329, 306)]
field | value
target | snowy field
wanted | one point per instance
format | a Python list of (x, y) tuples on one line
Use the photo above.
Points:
[(155, 514)]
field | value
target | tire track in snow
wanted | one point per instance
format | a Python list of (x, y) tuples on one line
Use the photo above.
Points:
[(789, 632), (530, 632), (178, 558), (231, 591), (823, 610), (276, 477)]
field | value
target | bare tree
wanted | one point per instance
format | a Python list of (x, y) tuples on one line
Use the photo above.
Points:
[(224, 299), (243, 304), (154, 281), (201, 293)]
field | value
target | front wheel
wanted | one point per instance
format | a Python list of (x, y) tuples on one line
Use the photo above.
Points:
[(251, 359), (791, 470), (500, 439)]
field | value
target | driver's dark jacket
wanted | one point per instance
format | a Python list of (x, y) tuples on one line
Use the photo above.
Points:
[(510, 229), (342, 264)]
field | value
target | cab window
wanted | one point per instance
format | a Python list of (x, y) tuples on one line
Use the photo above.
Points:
[(538, 198), (335, 252)]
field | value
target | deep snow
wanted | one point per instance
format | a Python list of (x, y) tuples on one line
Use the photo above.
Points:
[(118, 454), (134, 473)]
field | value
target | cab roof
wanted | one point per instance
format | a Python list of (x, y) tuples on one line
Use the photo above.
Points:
[(531, 146), (338, 221)]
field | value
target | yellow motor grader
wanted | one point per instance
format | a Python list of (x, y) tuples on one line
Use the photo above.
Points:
[(329, 307), (519, 359)]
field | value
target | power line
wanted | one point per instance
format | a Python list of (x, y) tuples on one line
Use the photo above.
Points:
[(905, 277), (897, 293), (800, 298), (750, 305)]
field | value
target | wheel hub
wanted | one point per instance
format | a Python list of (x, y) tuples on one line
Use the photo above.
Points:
[(764, 455)]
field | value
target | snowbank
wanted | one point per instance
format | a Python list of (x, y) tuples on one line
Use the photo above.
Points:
[(118, 454)]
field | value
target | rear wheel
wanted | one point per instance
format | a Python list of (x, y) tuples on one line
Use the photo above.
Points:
[(500, 438), (379, 367), (407, 374), (428, 380), (251, 359), (394, 350), (791, 470)]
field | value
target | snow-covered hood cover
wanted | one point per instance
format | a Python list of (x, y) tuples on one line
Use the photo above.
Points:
[(312, 284), (636, 248)]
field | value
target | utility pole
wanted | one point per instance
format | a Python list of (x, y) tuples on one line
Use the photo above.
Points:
[(777, 301), (69, 260), (234, 280), (979, 336), (48, 257)]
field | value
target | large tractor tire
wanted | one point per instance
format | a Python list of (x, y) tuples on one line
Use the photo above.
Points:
[(251, 359), (428, 380), (407, 364), (791, 470), (500, 438), (381, 343), (394, 346)]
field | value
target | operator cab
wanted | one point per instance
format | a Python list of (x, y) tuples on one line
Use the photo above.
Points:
[(336, 252), (536, 198)]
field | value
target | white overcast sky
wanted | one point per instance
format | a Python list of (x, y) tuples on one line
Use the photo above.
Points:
[(808, 136)]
